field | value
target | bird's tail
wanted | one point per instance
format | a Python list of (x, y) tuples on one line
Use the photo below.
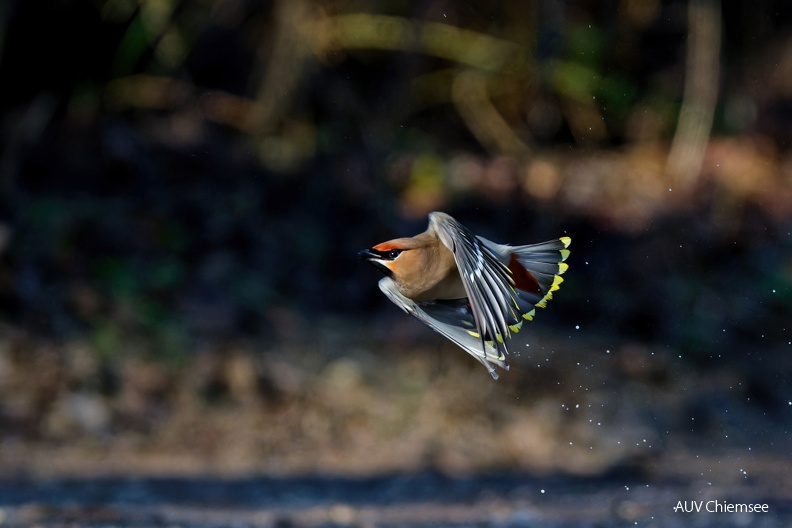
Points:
[(536, 270)]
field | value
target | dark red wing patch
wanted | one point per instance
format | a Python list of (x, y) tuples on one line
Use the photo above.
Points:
[(523, 280)]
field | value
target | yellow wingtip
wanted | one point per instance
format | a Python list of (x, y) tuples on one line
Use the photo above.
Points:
[(566, 241), (562, 267), (564, 254)]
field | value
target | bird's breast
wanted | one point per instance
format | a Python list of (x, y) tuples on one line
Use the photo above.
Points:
[(448, 287)]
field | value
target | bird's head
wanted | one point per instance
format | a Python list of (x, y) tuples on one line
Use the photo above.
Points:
[(405, 260), (385, 256)]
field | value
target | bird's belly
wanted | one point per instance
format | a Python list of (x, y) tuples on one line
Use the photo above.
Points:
[(450, 287)]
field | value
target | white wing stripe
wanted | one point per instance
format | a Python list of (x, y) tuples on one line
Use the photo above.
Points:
[(486, 279), (484, 353)]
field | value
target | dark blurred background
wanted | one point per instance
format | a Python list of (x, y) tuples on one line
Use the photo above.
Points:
[(184, 185)]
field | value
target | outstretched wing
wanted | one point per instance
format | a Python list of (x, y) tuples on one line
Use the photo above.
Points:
[(451, 319), (536, 270), (488, 282)]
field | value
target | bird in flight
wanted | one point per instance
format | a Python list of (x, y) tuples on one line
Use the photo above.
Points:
[(469, 289)]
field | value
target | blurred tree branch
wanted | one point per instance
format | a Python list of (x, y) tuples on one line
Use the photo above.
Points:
[(701, 92), (576, 84), (282, 59), (298, 29), (369, 31), (472, 100), (481, 56)]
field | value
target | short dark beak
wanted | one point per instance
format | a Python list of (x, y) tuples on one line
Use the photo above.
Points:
[(374, 259), (367, 254)]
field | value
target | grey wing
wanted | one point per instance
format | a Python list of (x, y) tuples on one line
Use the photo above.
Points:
[(486, 279), (545, 264), (448, 320)]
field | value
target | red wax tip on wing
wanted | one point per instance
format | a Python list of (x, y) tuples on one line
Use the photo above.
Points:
[(523, 280)]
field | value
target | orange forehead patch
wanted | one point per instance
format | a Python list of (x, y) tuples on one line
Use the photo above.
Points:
[(386, 246)]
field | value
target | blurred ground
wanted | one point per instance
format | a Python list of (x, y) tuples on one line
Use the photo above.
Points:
[(607, 435), (413, 499)]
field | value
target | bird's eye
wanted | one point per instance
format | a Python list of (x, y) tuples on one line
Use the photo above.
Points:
[(392, 254)]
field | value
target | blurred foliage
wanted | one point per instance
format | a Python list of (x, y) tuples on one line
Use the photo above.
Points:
[(161, 145), (184, 186)]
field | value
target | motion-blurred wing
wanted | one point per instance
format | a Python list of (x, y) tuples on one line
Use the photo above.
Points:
[(488, 282), (536, 270), (452, 319)]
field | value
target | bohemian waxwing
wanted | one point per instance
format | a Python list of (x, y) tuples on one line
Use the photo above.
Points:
[(471, 290)]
